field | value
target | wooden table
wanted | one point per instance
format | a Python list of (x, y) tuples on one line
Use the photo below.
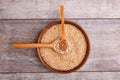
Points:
[(23, 20)]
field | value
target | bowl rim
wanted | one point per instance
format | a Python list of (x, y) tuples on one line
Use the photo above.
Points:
[(78, 27)]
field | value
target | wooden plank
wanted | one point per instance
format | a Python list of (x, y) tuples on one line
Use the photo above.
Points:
[(27, 9), (54, 76), (104, 36)]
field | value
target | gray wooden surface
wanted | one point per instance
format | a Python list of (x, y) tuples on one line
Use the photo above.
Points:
[(11, 9), (55, 76), (99, 18)]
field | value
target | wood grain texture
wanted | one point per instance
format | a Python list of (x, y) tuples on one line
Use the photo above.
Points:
[(27, 9), (104, 36), (54, 76)]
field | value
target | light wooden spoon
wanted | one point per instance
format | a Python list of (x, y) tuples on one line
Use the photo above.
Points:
[(54, 45)]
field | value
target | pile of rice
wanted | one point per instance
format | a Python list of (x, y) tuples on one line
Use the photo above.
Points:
[(68, 61)]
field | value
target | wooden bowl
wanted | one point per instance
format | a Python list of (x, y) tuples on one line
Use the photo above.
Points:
[(87, 52)]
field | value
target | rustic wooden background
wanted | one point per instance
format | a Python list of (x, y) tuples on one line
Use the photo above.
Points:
[(23, 20)]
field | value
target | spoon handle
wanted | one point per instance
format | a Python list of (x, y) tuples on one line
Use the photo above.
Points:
[(31, 45), (62, 21)]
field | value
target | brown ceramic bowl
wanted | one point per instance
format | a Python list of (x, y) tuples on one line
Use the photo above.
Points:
[(87, 52)]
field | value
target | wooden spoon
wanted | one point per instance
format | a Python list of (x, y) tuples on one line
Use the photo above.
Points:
[(64, 42), (54, 45)]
